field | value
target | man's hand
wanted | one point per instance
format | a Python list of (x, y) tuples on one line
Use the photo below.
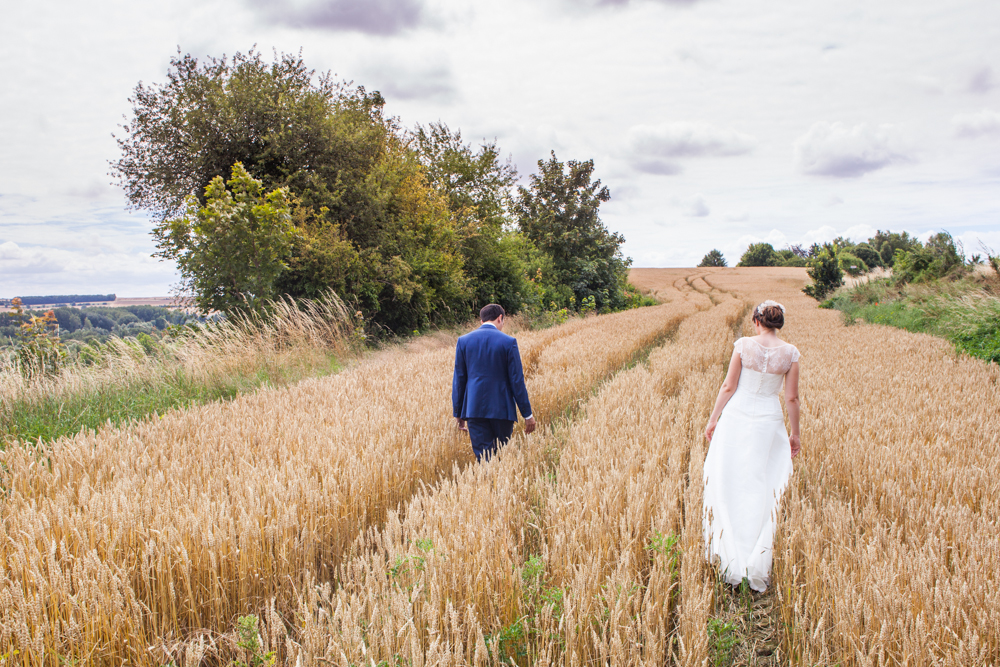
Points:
[(796, 444), (461, 424), (529, 425)]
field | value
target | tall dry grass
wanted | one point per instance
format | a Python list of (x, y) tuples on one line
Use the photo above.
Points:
[(122, 544), (293, 339)]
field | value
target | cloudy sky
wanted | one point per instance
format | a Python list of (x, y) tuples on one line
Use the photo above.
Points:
[(716, 123)]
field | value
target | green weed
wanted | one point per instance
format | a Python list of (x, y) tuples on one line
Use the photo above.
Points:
[(722, 640), (249, 641)]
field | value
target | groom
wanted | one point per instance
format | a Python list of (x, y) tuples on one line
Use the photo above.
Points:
[(488, 383)]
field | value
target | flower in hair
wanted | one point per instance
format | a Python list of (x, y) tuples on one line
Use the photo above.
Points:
[(768, 304)]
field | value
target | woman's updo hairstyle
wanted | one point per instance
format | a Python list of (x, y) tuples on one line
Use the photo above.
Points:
[(770, 314)]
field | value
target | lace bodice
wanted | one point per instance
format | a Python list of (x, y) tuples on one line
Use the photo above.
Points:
[(771, 360)]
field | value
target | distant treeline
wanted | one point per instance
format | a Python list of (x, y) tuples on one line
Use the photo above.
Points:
[(63, 298), (98, 322)]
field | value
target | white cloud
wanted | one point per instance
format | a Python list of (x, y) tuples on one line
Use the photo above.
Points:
[(972, 125), (823, 234), (597, 4), (734, 250), (929, 84), (657, 167), (859, 233), (834, 149), (400, 79), (624, 193), (697, 208), (375, 17), (983, 80), (10, 250), (683, 139), (52, 270), (692, 207), (925, 236)]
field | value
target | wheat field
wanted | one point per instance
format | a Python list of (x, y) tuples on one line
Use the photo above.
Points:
[(347, 514)]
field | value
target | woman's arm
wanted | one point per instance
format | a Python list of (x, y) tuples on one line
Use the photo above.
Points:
[(792, 403), (725, 393)]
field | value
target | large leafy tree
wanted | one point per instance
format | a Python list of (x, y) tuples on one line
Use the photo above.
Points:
[(209, 115), (476, 185), (558, 213), (231, 250), (367, 221)]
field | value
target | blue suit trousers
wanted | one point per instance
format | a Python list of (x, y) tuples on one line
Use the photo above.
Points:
[(488, 435)]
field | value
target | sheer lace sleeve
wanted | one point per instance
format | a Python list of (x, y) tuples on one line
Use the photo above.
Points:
[(774, 360)]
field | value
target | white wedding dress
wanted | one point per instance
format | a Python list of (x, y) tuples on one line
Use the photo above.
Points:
[(747, 467)]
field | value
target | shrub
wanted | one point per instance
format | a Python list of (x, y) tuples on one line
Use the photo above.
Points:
[(851, 264), (938, 258), (789, 257), (759, 254), (825, 273), (868, 255)]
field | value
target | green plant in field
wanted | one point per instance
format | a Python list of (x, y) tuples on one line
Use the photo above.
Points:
[(533, 570), (513, 641), (9, 655), (249, 641), (722, 639), (510, 642), (408, 565), (746, 598), (665, 545), (983, 342), (553, 596)]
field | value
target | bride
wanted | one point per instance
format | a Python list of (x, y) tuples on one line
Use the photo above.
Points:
[(750, 456)]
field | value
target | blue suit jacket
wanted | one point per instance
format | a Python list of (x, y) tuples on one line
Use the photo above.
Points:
[(488, 379)]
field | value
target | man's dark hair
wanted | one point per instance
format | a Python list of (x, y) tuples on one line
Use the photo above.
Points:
[(491, 312)]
